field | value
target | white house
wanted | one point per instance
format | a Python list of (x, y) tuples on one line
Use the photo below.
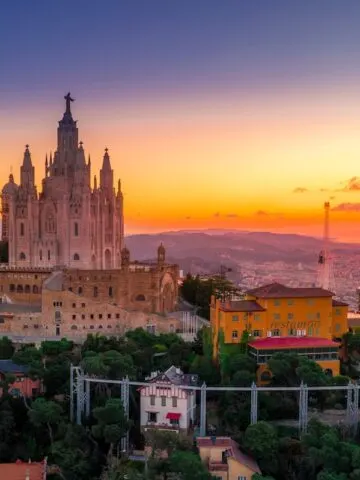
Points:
[(164, 404)]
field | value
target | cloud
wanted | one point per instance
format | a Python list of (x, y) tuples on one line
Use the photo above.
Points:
[(232, 215), (261, 213), (217, 214), (324, 189), (352, 185), (332, 198), (300, 190), (187, 218), (347, 207)]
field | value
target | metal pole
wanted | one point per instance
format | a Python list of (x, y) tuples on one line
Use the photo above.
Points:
[(303, 408), (254, 404), (203, 410), (80, 397), (349, 405), (71, 393), (356, 411), (87, 399), (125, 402)]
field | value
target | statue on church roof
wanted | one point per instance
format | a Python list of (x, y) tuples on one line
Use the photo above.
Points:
[(68, 101)]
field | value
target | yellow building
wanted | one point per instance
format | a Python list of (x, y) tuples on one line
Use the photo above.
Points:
[(308, 321), (225, 460)]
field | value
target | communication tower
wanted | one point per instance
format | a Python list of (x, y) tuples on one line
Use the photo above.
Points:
[(326, 277)]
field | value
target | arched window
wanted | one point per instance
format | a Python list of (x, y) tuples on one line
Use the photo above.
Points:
[(49, 256), (140, 298), (110, 291), (40, 254), (96, 291), (27, 288), (73, 327), (12, 287), (76, 229), (57, 316), (107, 259), (20, 289), (35, 289), (22, 229), (76, 256), (22, 256), (80, 291)]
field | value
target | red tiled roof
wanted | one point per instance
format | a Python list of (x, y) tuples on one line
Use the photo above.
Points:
[(277, 290), (337, 303), (291, 342), (19, 470), (241, 306), (232, 447)]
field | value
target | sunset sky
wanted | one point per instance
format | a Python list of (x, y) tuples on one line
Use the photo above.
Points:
[(217, 114)]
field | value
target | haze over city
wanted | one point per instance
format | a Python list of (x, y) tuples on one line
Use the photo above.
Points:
[(251, 124)]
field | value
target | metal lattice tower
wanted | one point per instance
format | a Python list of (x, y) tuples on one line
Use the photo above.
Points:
[(325, 278)]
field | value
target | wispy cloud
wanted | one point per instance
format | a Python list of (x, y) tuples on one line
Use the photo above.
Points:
[(300, 190), (261, 213), (187, 218), (352, 185), (217, 214), (232, 215), (347, 207)]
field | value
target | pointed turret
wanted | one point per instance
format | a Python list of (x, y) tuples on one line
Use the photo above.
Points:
[(27, 173), (89, 161), (106, 174), (51, 159), (95, 182), (46, 165)]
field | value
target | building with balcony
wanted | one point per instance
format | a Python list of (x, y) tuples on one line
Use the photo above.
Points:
[(307, 321), (23, 385), (224, 459), (165, 404)]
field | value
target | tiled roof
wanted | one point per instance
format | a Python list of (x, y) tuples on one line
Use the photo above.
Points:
[(241, 306), (337, 303), (23, 470), (175, 376), (273, 343), (277, 290), (229, 445), (8, 366)]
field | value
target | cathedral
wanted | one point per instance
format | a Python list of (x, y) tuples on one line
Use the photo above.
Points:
[(69, 223)]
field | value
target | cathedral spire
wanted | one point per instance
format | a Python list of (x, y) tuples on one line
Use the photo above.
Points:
[(106, 174), (27, 172), (95, 183), (106, 161), (27, 158)]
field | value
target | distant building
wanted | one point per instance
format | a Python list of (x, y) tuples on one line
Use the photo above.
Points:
[(23, 386), (164, 404), (23, 470), (308, 321), (225, 460)]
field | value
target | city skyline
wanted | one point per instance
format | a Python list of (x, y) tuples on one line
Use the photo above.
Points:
[(249, 122)]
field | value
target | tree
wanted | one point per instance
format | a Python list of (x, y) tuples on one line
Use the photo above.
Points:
[(6, 348), (188, 465), (45, 413), (112, 424), (261, 440)]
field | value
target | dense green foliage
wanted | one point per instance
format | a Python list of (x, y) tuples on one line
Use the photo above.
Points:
[(40, 427), (198, 291)]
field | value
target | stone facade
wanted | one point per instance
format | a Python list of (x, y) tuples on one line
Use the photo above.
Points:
[(69, 223)]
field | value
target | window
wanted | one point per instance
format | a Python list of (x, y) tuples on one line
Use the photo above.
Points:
[(74, 305), (163, 401), (276, 333), (92, 316), (22, 229), (174, 402), (109, 315), (234, 334), (257, 333), (57, 316), (152, 400), (290, 316), (337, 327), (22, 256), (292, 332), (49, 256), (277, 302), (91, 327), (140, 298), (83, 305), (318, 315), (96, 291), (76, 229), (74, 317), (235, 318), (12, 287), (76, 256), (109, 326), (290, 301), (40, 254), (110, 291), (35, 289), (100, 315), (257, 316), (174, 422), (70, 289), (152, 417), (73, 327), (338, 311), (277, 316), (118, 315), (80, 291), (242, 477), (150, 329), (83, 316), (310, 301)]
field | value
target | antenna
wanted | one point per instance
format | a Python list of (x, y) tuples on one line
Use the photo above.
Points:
[(325, 277)]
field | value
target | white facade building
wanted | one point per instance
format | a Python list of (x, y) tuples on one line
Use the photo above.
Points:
[(164, 404)]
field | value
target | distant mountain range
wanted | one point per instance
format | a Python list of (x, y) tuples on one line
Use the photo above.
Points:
[(204, 251)]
